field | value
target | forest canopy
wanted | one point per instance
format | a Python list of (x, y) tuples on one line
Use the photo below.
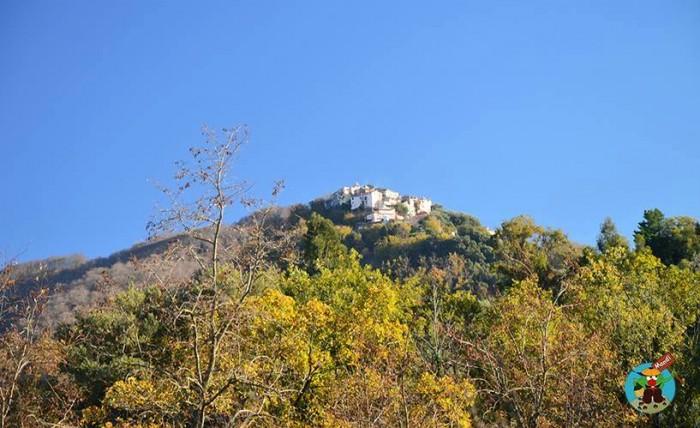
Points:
[(303, 317)]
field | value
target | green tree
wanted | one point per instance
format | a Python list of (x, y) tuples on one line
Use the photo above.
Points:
[(609, 236), (644, 306), (525, 250), (673, 240), (322, 244), (401, 209), (115, 341), (649, 228)]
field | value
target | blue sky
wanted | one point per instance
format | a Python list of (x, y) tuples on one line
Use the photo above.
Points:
[(565, 111)]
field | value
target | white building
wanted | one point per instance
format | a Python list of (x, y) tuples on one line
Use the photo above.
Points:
[(380, 203), (381, 215), (342, 196), (390, 197), (424, 206), (415, 206), (409, 204), (368, 199)]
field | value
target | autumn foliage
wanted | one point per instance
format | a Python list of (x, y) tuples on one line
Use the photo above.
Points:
[(305, 322)]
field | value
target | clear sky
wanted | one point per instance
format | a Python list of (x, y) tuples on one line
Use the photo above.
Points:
[(568, 111)]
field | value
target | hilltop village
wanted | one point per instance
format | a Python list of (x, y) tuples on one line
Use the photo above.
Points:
[(378, 204)]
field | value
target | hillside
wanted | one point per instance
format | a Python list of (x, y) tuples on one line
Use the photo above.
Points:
[(441, 239), (76, 283), (320, 305)]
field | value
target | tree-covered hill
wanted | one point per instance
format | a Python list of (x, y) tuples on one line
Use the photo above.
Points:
[(462, 305), (475, 255), (305, 316)]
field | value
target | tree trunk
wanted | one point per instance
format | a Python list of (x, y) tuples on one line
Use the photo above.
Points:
[(201, 416)]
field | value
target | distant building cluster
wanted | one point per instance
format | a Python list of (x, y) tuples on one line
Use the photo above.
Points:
[(381, 205)]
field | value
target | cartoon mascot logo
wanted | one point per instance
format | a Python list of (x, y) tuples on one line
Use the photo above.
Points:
[(650, 388)]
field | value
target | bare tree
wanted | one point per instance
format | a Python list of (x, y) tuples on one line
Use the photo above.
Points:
[(205, 192), (16, 343)]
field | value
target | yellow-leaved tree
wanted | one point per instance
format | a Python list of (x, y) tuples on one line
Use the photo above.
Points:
[(535, 365)]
